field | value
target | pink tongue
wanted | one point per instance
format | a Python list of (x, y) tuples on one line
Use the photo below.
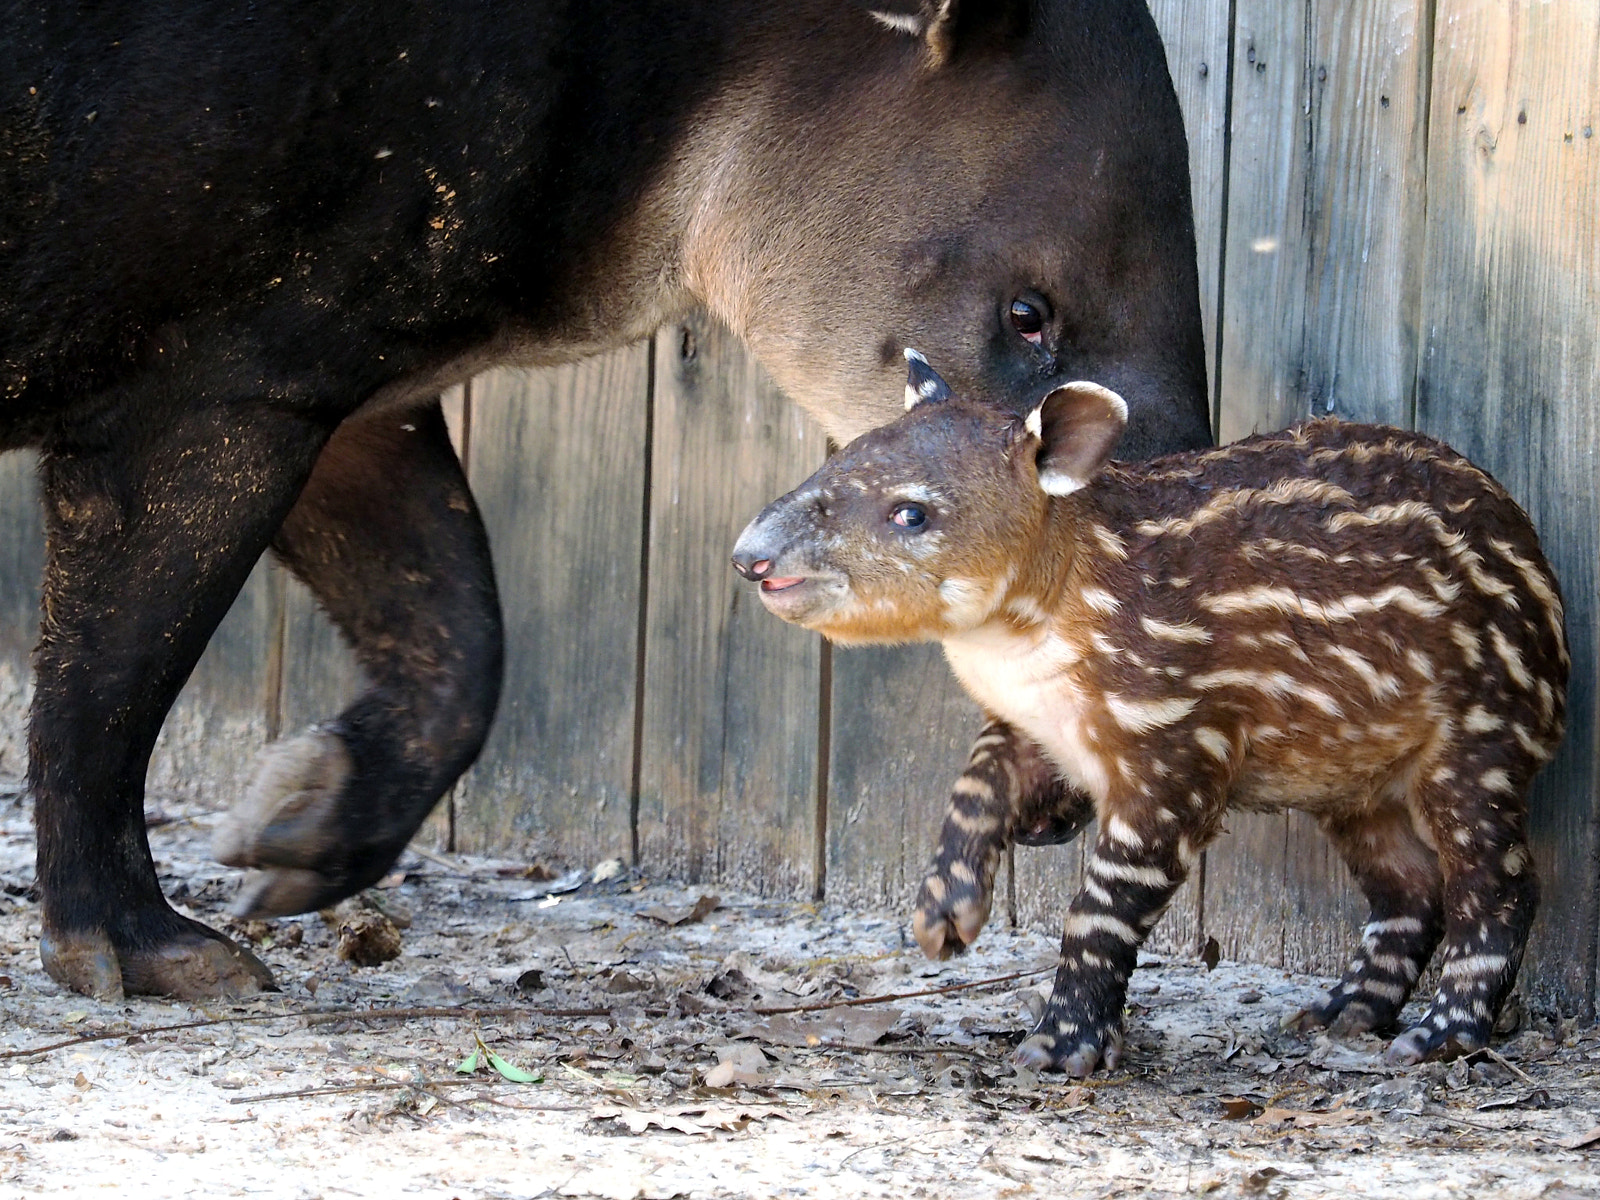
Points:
[(778, 585)]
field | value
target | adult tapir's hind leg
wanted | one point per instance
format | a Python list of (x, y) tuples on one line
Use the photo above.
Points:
[(388, 539), (153, 523)]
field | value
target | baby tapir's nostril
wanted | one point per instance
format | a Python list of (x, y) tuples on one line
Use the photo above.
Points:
[(751, 567)]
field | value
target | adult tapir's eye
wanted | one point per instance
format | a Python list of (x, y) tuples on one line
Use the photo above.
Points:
[(909, 516), (1027, 318)]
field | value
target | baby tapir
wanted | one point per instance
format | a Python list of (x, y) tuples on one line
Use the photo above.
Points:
[(1349, 620)]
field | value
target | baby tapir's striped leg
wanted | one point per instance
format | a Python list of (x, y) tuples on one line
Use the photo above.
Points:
[(1490, 894), (1008, 790), (1399, 875), (1136, 867)]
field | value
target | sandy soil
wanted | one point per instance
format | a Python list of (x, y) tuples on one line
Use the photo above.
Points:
[(629, 1020)]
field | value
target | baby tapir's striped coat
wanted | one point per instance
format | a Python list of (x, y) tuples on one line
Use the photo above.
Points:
[(1344, 619)]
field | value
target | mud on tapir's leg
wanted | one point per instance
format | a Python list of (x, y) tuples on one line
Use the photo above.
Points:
[(152, 524), (1399, 875), (388, 539), (1009, 792)]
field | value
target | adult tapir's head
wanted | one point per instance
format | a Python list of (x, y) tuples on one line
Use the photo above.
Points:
[(1004, 184)]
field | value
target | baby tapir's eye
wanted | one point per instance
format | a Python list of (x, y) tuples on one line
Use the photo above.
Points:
[(909, 516)]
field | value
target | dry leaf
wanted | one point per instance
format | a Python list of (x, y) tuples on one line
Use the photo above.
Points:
[(1237, 1108), (846, 1026), (742, 1065), (686, 914), (1302, 1119), (1580, 1141)]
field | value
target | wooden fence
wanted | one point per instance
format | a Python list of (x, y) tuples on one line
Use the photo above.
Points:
[(1397, 208)]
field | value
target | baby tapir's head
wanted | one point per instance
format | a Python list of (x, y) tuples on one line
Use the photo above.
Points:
[(919, 530)]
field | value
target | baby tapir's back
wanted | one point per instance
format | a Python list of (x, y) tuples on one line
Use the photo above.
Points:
[(1326, 612)]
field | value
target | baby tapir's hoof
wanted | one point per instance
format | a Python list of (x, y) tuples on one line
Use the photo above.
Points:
[(950, 913), (1071, 1048), (1436, 1037)]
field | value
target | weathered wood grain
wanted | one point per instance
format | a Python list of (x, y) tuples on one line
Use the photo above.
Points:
[(556, 459), (901, 731), (1510, 370), (21, 562), (1326, 202), (1196, 35), (728, 771)]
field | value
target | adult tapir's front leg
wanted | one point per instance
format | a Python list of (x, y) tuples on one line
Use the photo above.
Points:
[(153, 523), (388, 539), (1009, 793)]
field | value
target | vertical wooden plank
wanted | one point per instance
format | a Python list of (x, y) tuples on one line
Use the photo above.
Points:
[(1325, 212), (1510, 369), (1327, 176), (901, 731), (729, 736), (1196, 35), (219, 723), (557, 463), (21, 563)]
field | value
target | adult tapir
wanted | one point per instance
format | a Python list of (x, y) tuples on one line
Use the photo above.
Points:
[(244, 246)]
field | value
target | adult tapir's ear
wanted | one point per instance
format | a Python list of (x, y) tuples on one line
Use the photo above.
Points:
[(922, 381), (1078, 426), (945, 25)]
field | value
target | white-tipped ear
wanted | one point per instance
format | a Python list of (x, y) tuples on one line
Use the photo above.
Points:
[(1078, 426), (923, 384), (907, 23)]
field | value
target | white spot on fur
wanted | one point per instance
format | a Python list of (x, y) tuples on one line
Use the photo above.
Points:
[(1481, 720), (1151, 877), (1512, 658), (1472, 965), (1119, 831), (1496, 780), (1082, 926), (1182, 632), (1214, 743), (1138, 716), (1100, 600)]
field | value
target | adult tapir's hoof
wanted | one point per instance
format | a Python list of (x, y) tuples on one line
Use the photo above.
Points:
[(288, 824), (190, 962)]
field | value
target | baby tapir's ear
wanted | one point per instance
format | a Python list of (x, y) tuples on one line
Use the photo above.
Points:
[(945, 24), (1078, 426), (922, 381)]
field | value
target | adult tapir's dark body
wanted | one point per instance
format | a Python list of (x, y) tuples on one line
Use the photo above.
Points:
[(242, 248)]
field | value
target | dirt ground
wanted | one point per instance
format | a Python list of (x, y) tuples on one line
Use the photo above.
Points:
[(630, 1000)]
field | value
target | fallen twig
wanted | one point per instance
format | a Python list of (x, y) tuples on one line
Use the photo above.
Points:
[(1490, 1052), (376, 1085), (892, 1048), (327, 1016), (311, 1017), (775, 1010)]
